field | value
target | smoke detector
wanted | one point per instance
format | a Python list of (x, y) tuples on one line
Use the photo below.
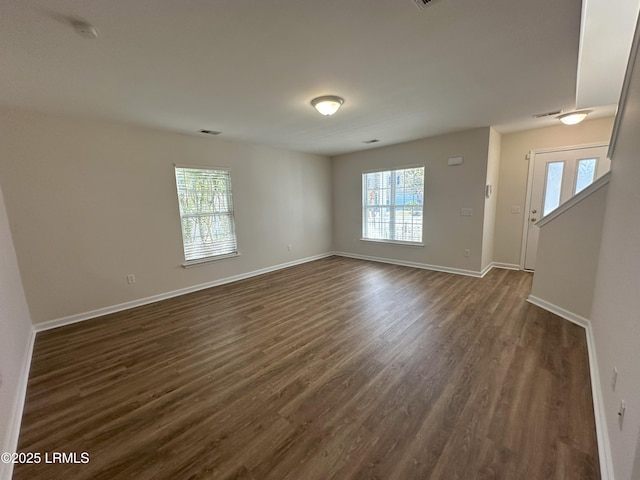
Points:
[(422, 4)]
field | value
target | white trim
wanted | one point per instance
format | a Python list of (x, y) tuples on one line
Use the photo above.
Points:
[(624, 93), (602, 434), (559, 311), (506, 266), (80, 317), (393, 242), (424, 266), (206, 260), (13, 430), (577, 198), (486, 270), (527, 209), (582, 146)]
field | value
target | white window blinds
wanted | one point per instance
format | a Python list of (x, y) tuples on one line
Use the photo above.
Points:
[(392, 205), (206, 212)]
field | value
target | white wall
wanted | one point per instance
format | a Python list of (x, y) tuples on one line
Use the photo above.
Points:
[(567, 257), (446, 233), (513, 176), (90, 202), (15, 341), (616, 307), (491, 203)]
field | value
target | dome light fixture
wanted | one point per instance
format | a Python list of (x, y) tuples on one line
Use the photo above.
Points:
[(574, 118), (327, 104)]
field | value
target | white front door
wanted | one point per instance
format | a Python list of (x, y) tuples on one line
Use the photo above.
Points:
[(558, 176)]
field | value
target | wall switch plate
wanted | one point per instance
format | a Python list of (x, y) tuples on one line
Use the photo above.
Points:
[(466, 212), (515, 209)]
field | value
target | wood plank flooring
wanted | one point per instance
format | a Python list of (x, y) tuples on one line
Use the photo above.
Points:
[(335, 369)]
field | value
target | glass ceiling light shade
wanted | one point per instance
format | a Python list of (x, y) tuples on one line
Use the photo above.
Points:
[(574, 118), (328, 104)]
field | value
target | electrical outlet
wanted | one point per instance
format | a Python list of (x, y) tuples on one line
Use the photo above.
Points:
[(467, 252), (466, 212), (131, 279), (515, 209), (290, 248), (614, 379)]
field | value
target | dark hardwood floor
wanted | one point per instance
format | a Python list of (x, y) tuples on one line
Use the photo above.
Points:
[(335, 369)]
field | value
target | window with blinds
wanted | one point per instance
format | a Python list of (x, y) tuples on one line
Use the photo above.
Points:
[(392, 205), (206, 213)]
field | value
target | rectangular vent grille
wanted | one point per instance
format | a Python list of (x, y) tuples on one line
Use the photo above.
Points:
[(422, 4), (547, 114)]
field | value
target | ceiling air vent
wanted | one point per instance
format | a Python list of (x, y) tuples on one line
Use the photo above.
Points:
[(546, 114), (422, 4)]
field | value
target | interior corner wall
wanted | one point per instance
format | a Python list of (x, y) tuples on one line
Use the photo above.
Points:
[(90, 202), (448, 189), (615, 314), (567, 259), (491, 201), (16, 335), (514, 169)]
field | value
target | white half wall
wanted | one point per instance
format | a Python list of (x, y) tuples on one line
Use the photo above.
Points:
[(16, 341), (567, 258), (90, 202)]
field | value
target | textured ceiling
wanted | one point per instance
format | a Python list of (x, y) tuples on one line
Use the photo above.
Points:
[(250, 69)]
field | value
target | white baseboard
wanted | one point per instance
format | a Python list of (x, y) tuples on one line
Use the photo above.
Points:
[(13, 430), (404, 263), (604, 446), (80, 317), (561, 312), (506, 266)]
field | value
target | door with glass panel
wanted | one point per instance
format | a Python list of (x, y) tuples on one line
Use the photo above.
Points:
[(558, 176)]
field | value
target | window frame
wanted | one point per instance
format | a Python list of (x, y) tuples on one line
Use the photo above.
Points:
[(391, 206), (228, 212)]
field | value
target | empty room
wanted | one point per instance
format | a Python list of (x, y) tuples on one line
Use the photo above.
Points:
[(302, 240)]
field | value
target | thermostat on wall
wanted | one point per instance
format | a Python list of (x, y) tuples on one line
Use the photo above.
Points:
[(455, 161)]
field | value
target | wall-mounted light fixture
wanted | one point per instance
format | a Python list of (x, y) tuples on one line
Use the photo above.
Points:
[(327, 104), (574, 118)]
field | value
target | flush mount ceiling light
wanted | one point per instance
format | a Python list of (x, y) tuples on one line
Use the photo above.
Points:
[(574, 118), (328, 104)]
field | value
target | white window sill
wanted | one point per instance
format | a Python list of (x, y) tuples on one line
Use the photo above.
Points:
[(393, 242), (204, 261)]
